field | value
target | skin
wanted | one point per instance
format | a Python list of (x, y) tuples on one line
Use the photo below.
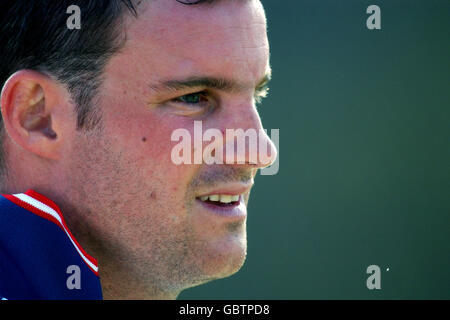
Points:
[(122, 197)]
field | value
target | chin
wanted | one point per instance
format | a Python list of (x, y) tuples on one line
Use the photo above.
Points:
[(224, 259)]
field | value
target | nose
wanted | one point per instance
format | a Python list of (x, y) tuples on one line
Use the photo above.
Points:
[(247, 142)]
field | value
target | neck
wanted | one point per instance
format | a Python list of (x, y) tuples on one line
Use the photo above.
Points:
[(120, 282), (122, 276)]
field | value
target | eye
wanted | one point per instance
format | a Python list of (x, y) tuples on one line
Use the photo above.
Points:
[(193, 99), (194, 104)]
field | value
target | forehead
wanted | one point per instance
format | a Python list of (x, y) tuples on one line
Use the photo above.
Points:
[(227, 37)]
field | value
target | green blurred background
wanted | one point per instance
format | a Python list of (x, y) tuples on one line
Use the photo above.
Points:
[(364, 156)]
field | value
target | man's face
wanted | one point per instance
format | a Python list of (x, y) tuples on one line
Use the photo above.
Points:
[(143, 211)]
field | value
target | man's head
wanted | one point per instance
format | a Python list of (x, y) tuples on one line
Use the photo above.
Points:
[(96, 135)]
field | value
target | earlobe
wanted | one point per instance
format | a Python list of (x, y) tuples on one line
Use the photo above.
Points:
[(27, 110)]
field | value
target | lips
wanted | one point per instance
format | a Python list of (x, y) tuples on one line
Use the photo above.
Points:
[(227, 201), (227, 195), (221, 199)]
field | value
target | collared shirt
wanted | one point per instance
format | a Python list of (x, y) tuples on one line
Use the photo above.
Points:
[(39, 257)]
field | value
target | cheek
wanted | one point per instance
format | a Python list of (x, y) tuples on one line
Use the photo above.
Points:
[(144, 136), (145, 141)]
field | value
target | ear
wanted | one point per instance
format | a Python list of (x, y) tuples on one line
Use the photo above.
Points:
[(31, 105)]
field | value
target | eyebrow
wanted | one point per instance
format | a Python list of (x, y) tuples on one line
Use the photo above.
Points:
[(221, 84)]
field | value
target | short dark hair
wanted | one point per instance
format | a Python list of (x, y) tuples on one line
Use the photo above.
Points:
[(34, 35)]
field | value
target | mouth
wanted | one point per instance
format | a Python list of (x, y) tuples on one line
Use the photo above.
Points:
[(225, 202), (221, 200)]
